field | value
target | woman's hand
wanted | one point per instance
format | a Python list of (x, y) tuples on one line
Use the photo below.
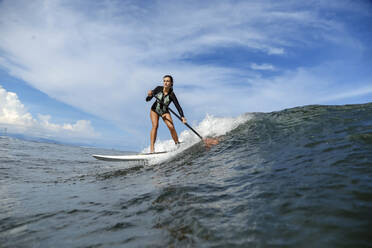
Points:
[(149, 93), (184, 120)]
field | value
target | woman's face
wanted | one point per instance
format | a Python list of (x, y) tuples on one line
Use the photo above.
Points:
[(167, 82)]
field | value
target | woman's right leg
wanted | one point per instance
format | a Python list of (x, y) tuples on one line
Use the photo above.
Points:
[(155, 123)]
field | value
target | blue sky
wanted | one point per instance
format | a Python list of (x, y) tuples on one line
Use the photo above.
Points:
[(78, 71)]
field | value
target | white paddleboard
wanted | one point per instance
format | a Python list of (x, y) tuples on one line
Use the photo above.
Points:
[(132, 157)]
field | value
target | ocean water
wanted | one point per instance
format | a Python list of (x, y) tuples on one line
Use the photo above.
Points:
[(300, 177)]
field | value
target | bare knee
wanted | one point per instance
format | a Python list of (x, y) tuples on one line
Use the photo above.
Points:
[(170, 126)]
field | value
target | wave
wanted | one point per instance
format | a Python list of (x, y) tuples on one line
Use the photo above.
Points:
[(315, 127)]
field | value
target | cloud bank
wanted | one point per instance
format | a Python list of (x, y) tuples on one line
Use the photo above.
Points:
[(15, 118)]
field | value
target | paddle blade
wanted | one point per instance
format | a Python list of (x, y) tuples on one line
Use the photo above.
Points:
[(209, 142)]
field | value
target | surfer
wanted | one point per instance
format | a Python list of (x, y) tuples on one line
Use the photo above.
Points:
[(160, 108)]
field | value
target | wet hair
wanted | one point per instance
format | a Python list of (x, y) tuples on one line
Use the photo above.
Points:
[(169, 76)]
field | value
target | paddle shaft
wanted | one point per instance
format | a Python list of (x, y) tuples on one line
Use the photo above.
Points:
[(179, 117)]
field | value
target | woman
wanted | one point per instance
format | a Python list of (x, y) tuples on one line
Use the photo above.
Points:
[(166, 95)]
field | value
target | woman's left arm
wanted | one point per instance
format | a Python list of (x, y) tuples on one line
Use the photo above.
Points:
[(178, 107)]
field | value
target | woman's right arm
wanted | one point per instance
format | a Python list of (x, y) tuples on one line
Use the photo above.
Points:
[(151, 93)]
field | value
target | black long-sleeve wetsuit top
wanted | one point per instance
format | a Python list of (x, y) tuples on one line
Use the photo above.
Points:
[(162, 107)]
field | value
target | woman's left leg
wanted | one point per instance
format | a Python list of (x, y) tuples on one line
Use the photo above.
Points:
[(167, 118)]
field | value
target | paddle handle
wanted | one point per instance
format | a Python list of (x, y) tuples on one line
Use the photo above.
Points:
[(179, 117)]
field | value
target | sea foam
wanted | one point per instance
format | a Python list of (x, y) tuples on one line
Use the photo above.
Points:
[(210, 126)]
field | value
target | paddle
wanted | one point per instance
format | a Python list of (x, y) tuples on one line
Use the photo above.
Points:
[(207, 141)]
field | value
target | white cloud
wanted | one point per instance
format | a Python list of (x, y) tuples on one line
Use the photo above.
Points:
[(102, 57), (12, 111), (349, 93), (264, 67), (14, 116)]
